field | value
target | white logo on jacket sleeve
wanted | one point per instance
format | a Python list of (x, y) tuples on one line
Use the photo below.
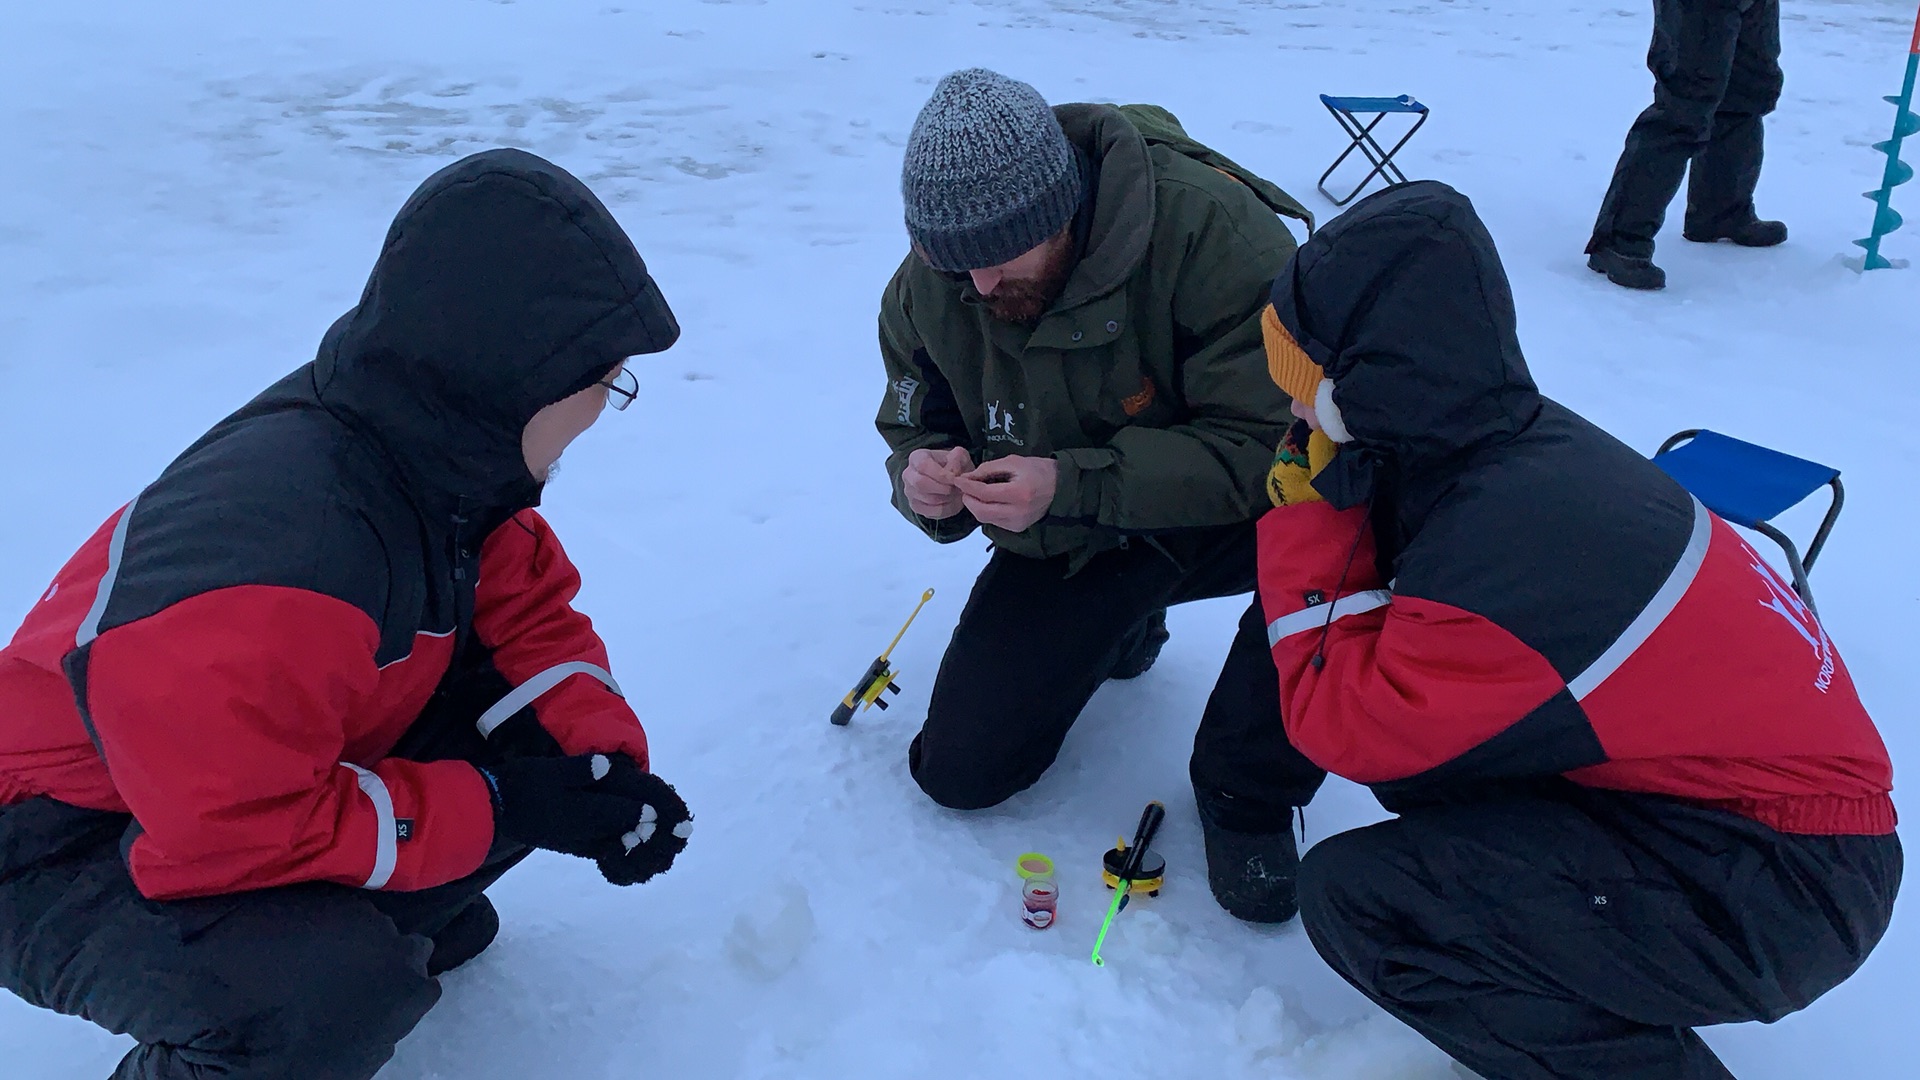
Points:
[(1782, 600), (903, 392)]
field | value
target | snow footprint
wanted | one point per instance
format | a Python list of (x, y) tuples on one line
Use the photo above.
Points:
[(773, 932)]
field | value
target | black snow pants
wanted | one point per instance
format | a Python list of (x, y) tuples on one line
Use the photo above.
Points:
[(315, 981), (1716, 69), (1586, 936), (1034, 643)]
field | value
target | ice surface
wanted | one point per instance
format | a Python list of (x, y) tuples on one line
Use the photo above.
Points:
[(774, 932), (192, 192)]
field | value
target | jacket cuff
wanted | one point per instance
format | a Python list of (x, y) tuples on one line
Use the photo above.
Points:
[(447, 811), (1078, 492), (612, 729)]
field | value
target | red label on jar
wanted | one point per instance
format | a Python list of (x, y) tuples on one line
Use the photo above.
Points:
[(1040, 903)]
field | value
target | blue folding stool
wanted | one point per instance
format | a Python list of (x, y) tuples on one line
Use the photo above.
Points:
[(1343, 110), (1751, 485)]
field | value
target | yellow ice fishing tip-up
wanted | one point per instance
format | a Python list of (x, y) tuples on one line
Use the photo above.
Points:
[(878, 680)]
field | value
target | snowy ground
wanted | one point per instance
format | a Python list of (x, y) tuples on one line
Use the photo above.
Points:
[(192, 192)]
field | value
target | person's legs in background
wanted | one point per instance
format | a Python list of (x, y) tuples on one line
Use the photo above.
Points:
[(1723, 176), (1692, 59)]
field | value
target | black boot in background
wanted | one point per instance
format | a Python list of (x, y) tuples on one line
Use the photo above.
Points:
[(466, 937), (1753, 232), (1253, 868), (1625, 270), (1143, 648)]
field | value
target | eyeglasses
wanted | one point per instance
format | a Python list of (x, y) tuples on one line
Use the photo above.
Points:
[(622, 388)]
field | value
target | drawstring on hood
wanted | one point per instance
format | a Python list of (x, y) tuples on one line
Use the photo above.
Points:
[(503, 286)]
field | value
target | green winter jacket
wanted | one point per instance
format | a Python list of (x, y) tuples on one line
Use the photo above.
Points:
[(1146, 381)]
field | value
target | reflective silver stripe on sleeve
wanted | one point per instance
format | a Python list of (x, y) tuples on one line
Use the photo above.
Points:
[(524, 695), (386, 846), (116, 550), (1657, 609), (1315, 617)]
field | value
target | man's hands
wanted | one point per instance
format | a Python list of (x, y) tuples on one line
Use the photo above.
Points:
[(1010, 492), (602, 807), (929, 481)]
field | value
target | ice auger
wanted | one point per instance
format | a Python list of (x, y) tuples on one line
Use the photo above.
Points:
[(1885, 218)]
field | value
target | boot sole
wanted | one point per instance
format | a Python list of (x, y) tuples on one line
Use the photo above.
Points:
[(1731, 240)]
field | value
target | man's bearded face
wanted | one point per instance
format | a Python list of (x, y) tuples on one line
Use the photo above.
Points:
[(1020, 290)]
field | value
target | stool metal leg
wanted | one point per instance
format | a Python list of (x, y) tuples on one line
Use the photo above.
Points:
[(1793, 563), (1826, 523), (1363, 141)]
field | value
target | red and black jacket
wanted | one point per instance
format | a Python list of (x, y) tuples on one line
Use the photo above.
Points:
[(1499, 592), (233, 656)]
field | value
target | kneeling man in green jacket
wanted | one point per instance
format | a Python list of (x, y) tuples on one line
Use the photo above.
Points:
[(1075, 366)]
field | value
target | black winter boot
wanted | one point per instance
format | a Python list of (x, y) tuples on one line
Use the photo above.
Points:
[(1755, 232), (466, 937), (1253, 874), (1627, 271), (1143, 648)]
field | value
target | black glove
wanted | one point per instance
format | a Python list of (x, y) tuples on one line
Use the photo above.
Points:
[(597, 806), (664, 825), (562, 803)]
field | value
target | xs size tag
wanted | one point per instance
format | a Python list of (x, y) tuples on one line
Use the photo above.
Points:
[(403, 829)]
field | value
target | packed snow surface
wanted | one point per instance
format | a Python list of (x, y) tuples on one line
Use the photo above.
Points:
[(192, 192)]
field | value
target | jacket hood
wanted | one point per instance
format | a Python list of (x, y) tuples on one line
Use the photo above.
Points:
[(503, 286), (1403, 303), (1122, 197)]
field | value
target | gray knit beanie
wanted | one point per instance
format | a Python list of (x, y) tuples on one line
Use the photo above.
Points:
[(989, 174)]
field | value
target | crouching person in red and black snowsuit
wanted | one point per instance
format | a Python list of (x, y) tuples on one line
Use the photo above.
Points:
[(274, 728), (1636, 791)]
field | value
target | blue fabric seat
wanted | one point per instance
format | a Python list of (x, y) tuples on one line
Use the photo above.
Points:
[(1751, 485), (1347, 111), (1403, 103)]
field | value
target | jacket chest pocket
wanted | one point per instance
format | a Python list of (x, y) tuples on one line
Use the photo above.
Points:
[(1116, 388)]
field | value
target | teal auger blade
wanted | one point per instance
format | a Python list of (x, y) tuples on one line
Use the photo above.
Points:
[(1898, 172), (1891, 147)]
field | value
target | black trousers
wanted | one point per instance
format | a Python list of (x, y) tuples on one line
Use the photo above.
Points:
[(1034, 643), (315, 981), (1587, 936), (1716, 70)]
